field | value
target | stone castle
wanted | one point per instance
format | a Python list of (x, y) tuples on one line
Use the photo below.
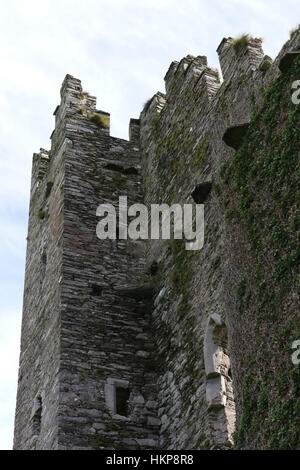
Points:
[(140, 344)]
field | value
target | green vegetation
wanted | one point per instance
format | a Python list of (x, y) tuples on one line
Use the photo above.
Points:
[(238, 44), (100, 120), (42, 214), (260, 192), (82, 110), (181, 274), (83, 95)]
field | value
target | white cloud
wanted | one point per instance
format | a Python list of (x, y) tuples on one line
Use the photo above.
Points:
[(9, 354)]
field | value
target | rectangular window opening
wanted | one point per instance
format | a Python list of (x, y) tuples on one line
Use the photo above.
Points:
[(122, 397)]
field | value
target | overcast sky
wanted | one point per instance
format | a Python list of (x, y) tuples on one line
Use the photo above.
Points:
[(121, 50)]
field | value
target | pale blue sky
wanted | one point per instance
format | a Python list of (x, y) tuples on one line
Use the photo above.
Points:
[(121, 50)]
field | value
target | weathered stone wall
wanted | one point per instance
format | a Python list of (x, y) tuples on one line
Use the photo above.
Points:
[(38, 386), (102, 318), (105, 332), (149, 320), (182, 147)]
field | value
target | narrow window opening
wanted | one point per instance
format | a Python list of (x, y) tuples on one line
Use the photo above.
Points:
[(48, 189), (154, 268), (125, 171), (163, 162), (117, 394), (37, 415), (96, 290), (122, 397), (43, 266), (130, 171)]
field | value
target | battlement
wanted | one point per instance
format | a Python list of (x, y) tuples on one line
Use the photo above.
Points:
[(40, 164), (242, 63), (186, 136), (241, 55)]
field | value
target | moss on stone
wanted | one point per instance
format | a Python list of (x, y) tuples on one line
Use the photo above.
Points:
[(238, 44), (100, 120), (270, 413)]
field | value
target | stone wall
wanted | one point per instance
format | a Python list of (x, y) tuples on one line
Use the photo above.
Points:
[(183, 135), (133, 344), (92, 292)]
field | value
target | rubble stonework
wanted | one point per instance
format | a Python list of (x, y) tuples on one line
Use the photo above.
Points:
[(130, 344)]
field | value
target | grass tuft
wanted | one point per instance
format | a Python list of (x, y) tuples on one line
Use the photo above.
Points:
[(100, 120), (82, 110), (239, 43)]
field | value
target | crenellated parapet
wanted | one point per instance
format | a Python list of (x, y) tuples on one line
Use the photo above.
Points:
[(40, 164), (186, 71)]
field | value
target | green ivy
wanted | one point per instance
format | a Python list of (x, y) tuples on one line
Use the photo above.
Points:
[(260, 192)]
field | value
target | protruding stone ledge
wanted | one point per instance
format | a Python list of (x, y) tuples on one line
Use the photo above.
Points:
[(234, 135), (287, 60), (216, 392), (265, 64)]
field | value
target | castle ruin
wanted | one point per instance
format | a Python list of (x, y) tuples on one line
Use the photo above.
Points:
[(140, 344)]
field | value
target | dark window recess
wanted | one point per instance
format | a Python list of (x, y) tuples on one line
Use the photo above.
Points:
[(48, 189), (43, 266), (96, 290), (154, 268), (287, 60), (126, 171), (234, 135), (163, 162), (37, 415), (122, 397), (201, 192)]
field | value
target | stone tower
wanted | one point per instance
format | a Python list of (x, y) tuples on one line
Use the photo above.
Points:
[(87, 352), (139, 344)]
